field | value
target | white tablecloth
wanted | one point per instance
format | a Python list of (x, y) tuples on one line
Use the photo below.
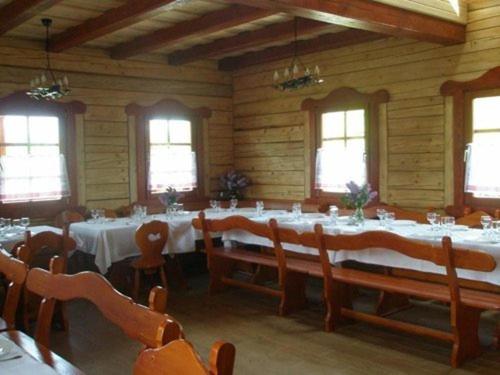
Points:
[(10, 240), (25, 365), (470, 238), (114, 241)]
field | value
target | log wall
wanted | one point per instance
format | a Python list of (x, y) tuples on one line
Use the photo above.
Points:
[(271, 133)]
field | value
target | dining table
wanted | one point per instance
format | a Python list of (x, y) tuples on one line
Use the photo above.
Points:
[(461, 236), (8, 240), (21, 355), (111, 240)]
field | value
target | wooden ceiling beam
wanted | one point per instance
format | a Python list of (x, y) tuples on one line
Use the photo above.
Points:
[(215, 21), (112, 20), (248, 39), (371, 16), (321, 43), (18, 11)]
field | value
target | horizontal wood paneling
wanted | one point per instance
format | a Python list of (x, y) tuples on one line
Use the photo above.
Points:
[(106, 87), (267, 122)]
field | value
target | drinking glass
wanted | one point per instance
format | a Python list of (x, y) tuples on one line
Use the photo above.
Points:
[(381, 216), (25, 223), (101, 215), (334, 214), (259, 206), (217, 206), (16, 225), (389, 219), (297, 210), (433, 219), (448, 222), (496, 225), (213, 204), (2, 226), (487, 223), (233, 203)]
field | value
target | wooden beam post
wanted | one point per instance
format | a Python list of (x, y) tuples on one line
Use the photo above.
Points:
[(18, 11), (272, 33), (371, 16), (209, 23), (113, 19), (321, 43)]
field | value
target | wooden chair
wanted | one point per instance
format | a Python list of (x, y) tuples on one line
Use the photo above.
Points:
[(221, 261), (110, 213), (15, 272), (465, 305), (179, 357), (150, 326), (151, 239), (472, 220), (67, 217), (37, 251)]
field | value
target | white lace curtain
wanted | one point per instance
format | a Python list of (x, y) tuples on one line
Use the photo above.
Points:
[(481, 170), (172, 167), (335, 168), (33, 178)]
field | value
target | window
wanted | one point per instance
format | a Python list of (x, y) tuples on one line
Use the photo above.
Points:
[(172, 161), (344, 140), (31, 165), (38, 166), (475, 129), (169, 149)]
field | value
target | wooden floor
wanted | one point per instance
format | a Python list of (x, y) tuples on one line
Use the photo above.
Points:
[(268, 344)]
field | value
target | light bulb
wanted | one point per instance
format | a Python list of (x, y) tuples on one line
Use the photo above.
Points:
[(316, 70), (308, 72), (286, 73), (276, 76), (295, 69)]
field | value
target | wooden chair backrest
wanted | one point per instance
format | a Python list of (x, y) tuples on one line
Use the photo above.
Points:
[(15, 271), (44, 245), (151, 239), (67, 217), (179, 357), (472, 220), (462, 258), (147, 325)]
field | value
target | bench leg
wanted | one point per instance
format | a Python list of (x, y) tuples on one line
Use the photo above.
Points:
[(466, 345), (219, 268), (334, 301), (294, 293)]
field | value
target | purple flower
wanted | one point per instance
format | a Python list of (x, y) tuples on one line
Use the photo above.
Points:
[(358, 196)]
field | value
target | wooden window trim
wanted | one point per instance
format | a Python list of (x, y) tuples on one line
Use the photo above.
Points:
[(18, 103), (166, 108), (342, 99), (462, 94)]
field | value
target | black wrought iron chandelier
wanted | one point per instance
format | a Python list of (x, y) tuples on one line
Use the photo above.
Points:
[(46, 85), (296, 75)]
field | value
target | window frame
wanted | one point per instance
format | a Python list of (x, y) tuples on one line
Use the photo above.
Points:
[(345, 99), (18, 103), (462, 94), (170, 109)]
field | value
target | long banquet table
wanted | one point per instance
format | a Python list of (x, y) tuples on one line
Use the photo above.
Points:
[(462, 237)]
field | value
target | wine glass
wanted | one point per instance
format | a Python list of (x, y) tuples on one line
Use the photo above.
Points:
[(213, 204), (381, 216), (297, 210), (25, 223), (217, 206), (334, 214), (259, 206), (433, 219), (487, 223), (448, 222), (389, 219), (233, 203), (95, 214)]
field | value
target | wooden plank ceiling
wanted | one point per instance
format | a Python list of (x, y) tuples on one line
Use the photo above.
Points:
[(231, 31)]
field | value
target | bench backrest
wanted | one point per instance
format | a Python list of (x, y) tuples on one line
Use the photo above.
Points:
[(147, 325), (15, 272), (179, 357)]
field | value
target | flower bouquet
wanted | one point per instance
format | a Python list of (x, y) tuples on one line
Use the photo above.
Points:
[(356, 198), (232, 184), (170, 199)]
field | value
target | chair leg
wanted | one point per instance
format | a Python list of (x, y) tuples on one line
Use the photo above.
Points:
[(163, 277), (137, 284), (294, 293), (334, 301), (466, 345)]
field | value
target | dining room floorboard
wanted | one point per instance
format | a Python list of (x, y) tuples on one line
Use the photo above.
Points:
[(269, 344)]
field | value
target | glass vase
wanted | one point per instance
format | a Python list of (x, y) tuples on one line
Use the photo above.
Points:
[(358, 217)]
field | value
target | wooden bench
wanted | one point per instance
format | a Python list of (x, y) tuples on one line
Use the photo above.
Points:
[(221, 261), (466, 305)]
